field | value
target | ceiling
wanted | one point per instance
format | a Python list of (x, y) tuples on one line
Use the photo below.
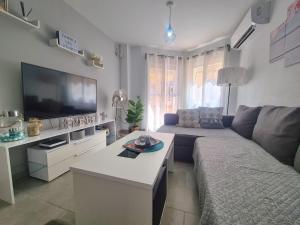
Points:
[(142, 22)]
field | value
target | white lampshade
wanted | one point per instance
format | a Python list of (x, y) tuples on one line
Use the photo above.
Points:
[(235, 76)]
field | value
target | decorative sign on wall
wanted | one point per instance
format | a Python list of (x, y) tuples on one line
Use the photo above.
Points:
[(277, 43), (285, 39), (292, 43), (67, 41)]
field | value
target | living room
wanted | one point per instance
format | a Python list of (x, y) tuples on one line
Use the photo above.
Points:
[(149, 112)]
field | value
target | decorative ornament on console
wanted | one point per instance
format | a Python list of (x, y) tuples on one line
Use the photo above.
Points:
[(33, 127), (11, 126), (77, 121), (103, 116)]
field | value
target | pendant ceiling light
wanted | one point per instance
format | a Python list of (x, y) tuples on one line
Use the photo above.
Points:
[(170, 35)]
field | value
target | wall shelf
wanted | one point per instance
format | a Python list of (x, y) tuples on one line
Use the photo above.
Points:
[(92, 63), (54, 43), (32, 24)]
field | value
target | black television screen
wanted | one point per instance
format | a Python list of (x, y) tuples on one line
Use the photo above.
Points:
[(49, 93)]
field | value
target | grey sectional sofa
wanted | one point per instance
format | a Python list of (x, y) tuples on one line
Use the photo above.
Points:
[(238, 181), (185, 137)]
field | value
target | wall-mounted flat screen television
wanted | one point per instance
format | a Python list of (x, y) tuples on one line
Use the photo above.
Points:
[(49, 93)]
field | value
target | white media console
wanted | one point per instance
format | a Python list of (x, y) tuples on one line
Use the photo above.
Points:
[(47, 164)]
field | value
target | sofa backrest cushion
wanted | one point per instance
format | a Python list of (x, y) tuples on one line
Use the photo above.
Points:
[(188, 118), (211, 118), (245, 120), (297, 160), (277, 130), (171, 119), (227, 120)]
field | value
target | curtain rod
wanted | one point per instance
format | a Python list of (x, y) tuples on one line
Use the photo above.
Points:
[(169, 56), (207, 52)]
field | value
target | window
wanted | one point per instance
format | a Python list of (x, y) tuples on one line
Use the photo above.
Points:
[(202, 75), (171, 87)]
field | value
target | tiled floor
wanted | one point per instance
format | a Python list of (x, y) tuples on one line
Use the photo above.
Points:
[(37, 202)]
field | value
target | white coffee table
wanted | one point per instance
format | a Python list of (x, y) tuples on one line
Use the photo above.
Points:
[(114, 190)]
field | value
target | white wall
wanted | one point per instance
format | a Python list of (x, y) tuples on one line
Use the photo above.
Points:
[(271, 83), (19, 44)]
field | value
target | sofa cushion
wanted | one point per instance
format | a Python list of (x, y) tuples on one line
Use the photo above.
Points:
[(227, 132), (297, 160), (278, 131), (245, 120), (188, 118), (171, 119), (211, 118)]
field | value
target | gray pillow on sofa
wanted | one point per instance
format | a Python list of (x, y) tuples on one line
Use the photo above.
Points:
[(245, 120), (278, 131), (211, 118)]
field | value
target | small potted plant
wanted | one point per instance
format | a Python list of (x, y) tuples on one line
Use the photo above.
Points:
[(135, 114)]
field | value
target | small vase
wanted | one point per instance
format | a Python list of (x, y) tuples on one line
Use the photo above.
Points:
[(134, 128)]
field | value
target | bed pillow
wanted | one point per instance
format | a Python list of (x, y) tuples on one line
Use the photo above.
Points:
[(277, 130), (188, 118), (211, 118), (245, 120), (297, 160)]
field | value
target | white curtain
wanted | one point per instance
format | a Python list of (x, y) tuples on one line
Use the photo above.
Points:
[(174, 83), (201, 79), (164, 94)]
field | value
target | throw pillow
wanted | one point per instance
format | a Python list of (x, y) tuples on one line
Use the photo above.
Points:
[(188, 118), (211, 118), (297, 160), (245, 120), (277, 130)]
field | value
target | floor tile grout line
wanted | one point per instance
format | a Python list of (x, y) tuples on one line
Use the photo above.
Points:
[(58, 206), (48, 202), (192, 213)]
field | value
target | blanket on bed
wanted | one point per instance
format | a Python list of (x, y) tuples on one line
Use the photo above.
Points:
[(240, 183)]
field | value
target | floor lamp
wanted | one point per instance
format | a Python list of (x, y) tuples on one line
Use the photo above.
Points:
[(231, 77), (118, 100)]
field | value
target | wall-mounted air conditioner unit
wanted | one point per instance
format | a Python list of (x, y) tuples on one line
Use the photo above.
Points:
[(259, 13), (243, 32)]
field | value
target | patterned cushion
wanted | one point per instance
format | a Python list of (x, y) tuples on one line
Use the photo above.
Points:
[(211, 118), (188, 118)]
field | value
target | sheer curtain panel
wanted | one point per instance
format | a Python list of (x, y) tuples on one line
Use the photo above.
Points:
[(164, 94), (201, 79)]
